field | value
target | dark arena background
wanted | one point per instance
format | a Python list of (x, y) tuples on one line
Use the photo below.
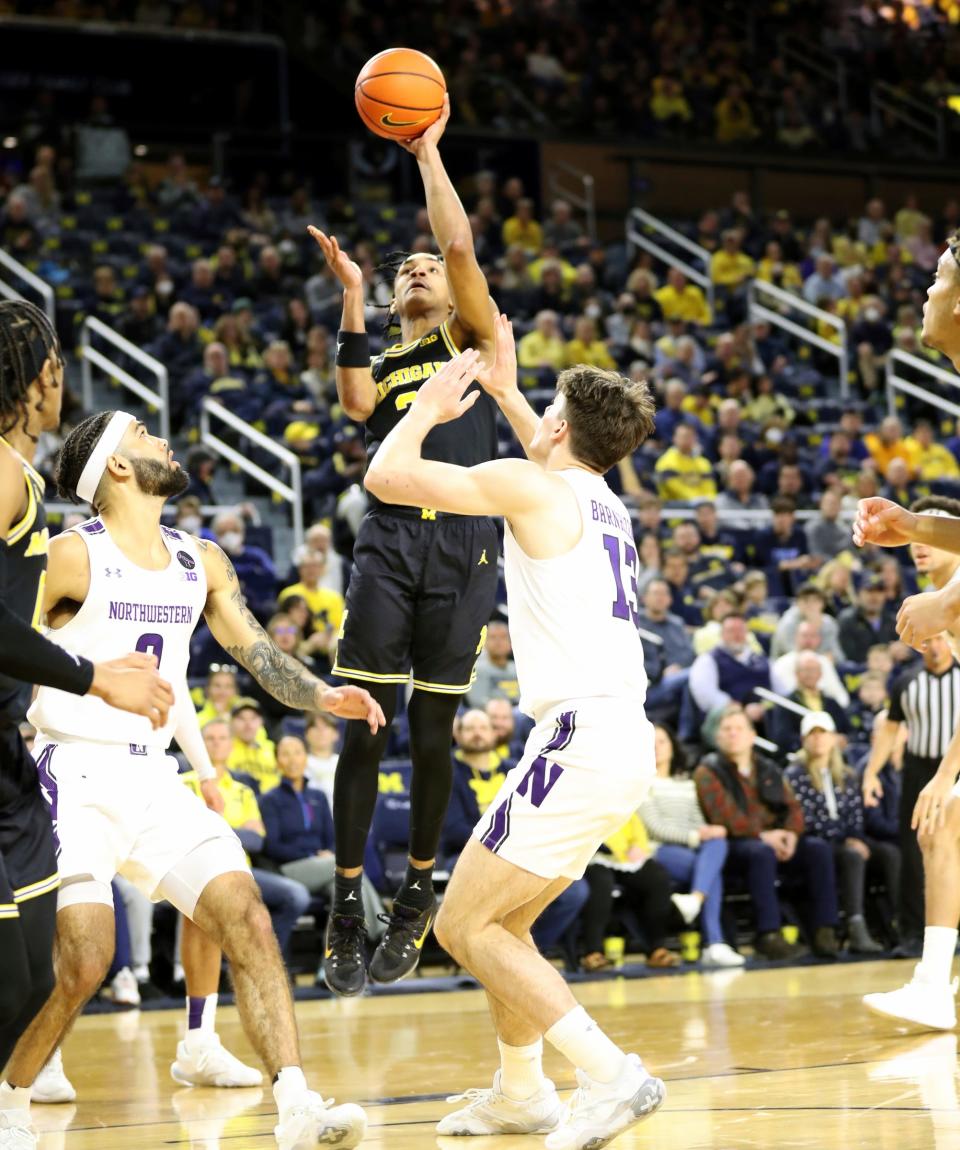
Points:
[(742, 204)]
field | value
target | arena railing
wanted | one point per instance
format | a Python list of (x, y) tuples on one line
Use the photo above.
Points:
[(291, 492), (811, 57), (925, 119), (759, 312), (641, 223), (896, 382), (16, 269), (585, 199), (91, 357)]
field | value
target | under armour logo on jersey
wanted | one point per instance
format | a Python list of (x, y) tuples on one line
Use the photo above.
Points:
[(351, 897), (483, 561), (110, 572)]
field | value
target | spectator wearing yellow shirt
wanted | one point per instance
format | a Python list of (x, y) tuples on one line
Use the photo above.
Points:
[(730, 267), (326, 605), (734, 118), (285, 898), (668, 105), (887, 444), (773, 269), (543, 347), (930, 460), (586, 348), (523, 229), (680, 299), (252, 755), (682, 473), (219, 694)]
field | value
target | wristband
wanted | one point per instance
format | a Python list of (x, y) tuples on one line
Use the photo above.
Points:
[(353, 349)]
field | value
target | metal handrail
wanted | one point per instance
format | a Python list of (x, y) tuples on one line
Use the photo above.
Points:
[(897, 383), (586, 202), (91, 357), (43, 289), (637, 237), (816, 59), (292, 492), (910, 111), (758, 312)]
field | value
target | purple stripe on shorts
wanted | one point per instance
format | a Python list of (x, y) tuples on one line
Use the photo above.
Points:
[(499, 829), (48, 787)]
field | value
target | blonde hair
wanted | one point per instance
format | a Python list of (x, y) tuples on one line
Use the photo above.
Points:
[(839, 771)]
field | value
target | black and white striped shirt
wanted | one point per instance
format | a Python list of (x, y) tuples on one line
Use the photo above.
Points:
[(930, 706)]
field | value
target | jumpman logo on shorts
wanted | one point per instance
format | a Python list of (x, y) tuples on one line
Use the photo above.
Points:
[(482, 561)]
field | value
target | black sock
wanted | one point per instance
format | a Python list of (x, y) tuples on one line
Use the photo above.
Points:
[(347, 895), (417, 888)]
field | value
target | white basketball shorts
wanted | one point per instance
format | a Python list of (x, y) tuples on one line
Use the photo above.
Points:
[(122, 809), (585, 769)]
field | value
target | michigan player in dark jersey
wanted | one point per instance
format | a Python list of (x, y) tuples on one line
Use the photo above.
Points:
[(31, 389), (424, 583)]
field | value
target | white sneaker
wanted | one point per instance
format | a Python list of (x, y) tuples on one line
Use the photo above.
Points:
[(719, 954), (317, 1122), (688, 905), (598, 1111), (492, 1112), (16, 1132), (123, 990), (205, 1061), (52, 1085), (920, 1001)]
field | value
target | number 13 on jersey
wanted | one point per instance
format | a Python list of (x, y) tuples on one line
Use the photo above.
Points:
[(623, 559)]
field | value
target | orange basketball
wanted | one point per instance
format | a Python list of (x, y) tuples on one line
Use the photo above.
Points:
[(399, 93)]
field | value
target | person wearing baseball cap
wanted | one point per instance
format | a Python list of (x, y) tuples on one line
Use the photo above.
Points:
[(253, 759)]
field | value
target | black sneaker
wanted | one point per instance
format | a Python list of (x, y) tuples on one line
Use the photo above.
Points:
[(773, 946), (344, 969), (399, 950)]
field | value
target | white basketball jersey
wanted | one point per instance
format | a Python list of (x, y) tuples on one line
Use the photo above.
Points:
[(127, 608), (573, 619)]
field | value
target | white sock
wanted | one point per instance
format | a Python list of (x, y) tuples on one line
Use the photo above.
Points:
[(14, 1097), (289, 1089), (521, 1070), (208, 1017), (939, 943), (582, 1042), (141, 973)]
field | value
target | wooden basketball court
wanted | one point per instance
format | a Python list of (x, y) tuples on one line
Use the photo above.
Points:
[(775, 1058)]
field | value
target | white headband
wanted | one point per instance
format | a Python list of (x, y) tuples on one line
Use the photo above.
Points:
[(105, 446)]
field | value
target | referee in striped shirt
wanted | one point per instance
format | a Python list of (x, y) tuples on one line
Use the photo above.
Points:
[(927, 699)]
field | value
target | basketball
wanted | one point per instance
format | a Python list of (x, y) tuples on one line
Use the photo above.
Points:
[(399, 93)]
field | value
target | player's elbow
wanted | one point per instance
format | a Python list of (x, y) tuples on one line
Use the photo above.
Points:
[(359, 410), (459, 248), (377, 481)]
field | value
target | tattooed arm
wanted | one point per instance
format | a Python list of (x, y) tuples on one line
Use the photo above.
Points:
[(236, 629)]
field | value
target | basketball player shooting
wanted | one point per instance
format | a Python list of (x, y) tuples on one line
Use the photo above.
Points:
[(928, 999), (571, 571), (122, 581), (424, 581)]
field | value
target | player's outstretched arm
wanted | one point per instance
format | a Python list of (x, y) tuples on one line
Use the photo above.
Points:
[(398, 474), (451, 229), (500, 381), (886, 524), (236, 629), (355, 386)]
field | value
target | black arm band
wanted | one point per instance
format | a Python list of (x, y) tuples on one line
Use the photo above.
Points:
[(25, 654), (353, 349)]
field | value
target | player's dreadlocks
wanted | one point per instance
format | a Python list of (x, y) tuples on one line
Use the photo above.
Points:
[(391, 263), (27, 340), (76, 451)]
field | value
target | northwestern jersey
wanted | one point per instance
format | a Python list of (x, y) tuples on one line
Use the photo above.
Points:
[(127, 608), (573, 618), (27, 542), (398, 373)]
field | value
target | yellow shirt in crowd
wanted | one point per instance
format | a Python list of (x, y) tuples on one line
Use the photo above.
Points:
[(596, 354), (538, 350), (730, 269), (326, 606), (258, 761), (682, 476), (632, 834), (690, 305), (529, 234)]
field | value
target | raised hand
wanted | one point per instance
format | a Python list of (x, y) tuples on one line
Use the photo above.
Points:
[(431, 136), (883, 523), (354, 703), (342, 266), (500, 378), (441, 396), (921, 617)]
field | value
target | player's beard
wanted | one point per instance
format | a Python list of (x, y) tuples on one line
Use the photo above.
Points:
[(156, 478)]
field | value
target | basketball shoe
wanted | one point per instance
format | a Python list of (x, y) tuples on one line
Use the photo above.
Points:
[(52, 1084), (926, 1003), (344, 960), (16, 1132), (316, 1122), (203, 1060), (599, 1111), (492, 1112), (398, 952)]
